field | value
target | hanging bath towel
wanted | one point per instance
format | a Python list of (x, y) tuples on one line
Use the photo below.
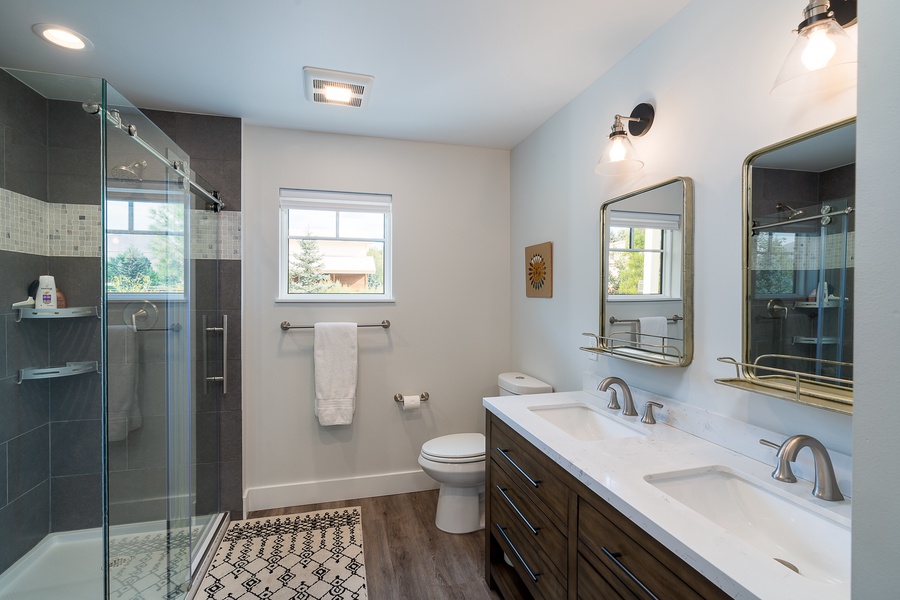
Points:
[(123, 398), (335, 357), (653, 332)]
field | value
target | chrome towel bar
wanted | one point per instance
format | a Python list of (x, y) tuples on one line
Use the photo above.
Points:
[(285, 325)]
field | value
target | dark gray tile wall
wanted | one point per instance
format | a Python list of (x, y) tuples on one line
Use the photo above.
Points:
[(23, 120), (24, 409), (75, 170)]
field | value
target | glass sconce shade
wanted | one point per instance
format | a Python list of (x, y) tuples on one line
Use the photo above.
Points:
[(823, 57), (619, 157)]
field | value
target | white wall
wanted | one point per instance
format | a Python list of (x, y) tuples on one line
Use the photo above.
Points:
[(450, 322), (876, 421), (708, 72)]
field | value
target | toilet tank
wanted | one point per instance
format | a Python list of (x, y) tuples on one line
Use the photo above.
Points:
[(515, 384)]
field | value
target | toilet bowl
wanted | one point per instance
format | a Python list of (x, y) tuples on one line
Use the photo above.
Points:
[(457, 462)]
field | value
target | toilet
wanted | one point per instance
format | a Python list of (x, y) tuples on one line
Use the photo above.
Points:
[(457, 462)]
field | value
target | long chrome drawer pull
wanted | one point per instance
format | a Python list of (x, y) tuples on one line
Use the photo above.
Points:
[(531, 574), (534, 482), (533, 529), (614, 556)]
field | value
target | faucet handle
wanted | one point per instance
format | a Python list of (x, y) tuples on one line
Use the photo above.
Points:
[(648, 412), (765, 442), (613, 400)]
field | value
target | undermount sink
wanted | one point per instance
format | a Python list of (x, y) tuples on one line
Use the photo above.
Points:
[(802, 536), (584, 422)]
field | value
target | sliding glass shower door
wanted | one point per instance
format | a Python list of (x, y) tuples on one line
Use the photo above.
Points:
[(162, 289)]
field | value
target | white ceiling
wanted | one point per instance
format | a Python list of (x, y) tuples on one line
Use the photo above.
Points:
[(471, 72)]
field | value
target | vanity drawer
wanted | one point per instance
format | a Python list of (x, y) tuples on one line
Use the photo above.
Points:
[(531, 469), (635, 558), (596, 581), (532, 564), (537, 526)]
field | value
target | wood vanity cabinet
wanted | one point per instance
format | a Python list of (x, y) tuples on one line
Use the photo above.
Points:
[(564, 541)]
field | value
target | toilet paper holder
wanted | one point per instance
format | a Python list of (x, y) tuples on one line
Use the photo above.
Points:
[(422, 397)]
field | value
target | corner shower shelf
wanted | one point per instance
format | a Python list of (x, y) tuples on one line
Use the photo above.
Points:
[(71, 368), (56, 313)]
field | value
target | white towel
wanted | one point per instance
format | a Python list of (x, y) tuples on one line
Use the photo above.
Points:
[(653, 326), (123, 408), (335, 355)]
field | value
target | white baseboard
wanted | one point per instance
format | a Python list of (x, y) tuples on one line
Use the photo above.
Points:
[(333, 490)]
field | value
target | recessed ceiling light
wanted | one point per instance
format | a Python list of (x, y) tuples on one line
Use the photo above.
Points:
[(337, 87), (62, 36)]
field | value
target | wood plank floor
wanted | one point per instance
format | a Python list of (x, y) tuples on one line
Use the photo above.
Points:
[(407, 557)]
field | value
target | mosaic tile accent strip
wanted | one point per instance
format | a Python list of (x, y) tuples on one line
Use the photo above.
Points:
[(32, 226), (20, 217), (230, 235), (203, 234), (75, 230)]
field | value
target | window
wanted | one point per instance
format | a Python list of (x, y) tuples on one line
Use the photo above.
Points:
[(144, 244), (335, 247), (641, 260)]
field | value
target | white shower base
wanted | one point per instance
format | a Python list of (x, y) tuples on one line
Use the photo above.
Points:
[(69, 565), (63, 565)]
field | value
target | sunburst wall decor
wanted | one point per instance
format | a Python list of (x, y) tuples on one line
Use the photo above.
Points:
[(539, 270)]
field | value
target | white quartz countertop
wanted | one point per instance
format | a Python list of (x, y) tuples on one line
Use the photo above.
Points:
[(615, 470)]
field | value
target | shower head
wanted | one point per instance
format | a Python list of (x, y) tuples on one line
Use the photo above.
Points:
[(794, 211), (133, 171)]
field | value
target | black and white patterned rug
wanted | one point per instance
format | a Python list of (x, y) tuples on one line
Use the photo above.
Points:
[(309, 556)]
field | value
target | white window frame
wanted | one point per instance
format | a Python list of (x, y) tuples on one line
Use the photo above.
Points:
[(160, 197), (342, 201), (670, 224)]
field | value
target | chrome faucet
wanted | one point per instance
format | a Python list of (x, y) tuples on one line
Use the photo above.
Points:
[(626, 392), (826, 485)]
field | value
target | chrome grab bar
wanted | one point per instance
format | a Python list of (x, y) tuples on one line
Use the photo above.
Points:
[(534, 482), (531, 573), (533, 529)]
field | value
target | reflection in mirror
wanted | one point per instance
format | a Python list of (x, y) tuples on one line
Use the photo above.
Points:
[(646, 308), (798, 265)]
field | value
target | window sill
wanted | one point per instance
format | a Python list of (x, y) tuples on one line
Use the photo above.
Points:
[(333, 300)]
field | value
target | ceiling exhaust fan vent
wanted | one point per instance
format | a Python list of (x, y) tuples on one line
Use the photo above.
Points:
[(336, 87)]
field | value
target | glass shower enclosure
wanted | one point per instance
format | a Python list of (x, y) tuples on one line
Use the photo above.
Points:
[(101, 442)]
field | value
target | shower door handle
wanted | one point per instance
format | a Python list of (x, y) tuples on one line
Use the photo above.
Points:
[(224, 377)]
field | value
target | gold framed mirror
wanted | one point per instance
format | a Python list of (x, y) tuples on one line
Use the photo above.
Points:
[(799, 226), (647, 275)]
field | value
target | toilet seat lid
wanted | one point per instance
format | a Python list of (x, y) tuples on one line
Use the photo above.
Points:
[(458, 446)]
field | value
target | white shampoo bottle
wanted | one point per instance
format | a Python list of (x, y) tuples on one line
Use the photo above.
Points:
[(46, 296)]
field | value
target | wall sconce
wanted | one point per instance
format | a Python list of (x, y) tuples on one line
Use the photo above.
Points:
[(620, 157), (823, 55)]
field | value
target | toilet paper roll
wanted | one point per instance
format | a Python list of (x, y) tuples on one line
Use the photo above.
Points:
[(411, 402)]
